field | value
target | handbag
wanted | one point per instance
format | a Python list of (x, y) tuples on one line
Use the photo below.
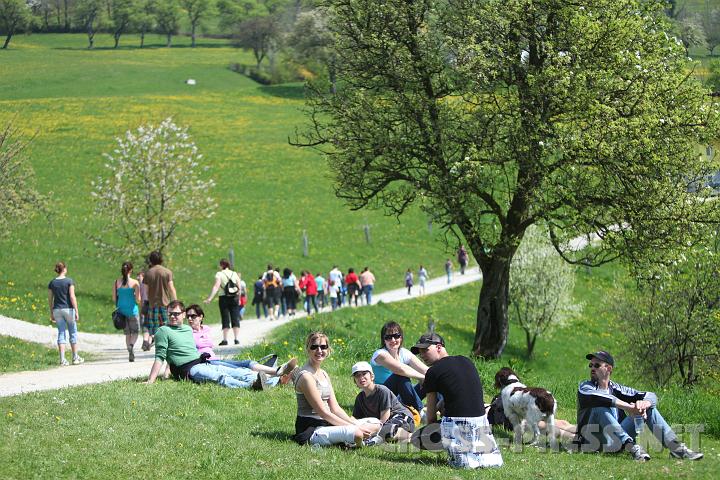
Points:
[(119, 320)]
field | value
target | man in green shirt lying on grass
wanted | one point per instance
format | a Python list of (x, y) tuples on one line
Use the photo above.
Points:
[(175, 344)]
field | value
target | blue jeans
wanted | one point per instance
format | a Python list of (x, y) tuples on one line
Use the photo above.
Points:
[(404, 389), (65, 320), (367, 290), (612, 435), (257, 309), (308, 300), (222, 375), (243, 365)]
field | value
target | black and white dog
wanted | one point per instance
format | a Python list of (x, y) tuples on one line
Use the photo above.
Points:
[(523, 405)]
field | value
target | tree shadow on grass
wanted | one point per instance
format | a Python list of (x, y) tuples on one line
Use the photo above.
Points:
[(282, 436), (147, 46), (291, 91)]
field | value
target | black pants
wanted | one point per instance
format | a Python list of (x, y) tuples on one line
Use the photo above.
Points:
[(229, 311)]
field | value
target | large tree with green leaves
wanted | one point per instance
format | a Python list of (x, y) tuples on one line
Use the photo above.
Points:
[(495, 115), (196, 11), (167, 18), (14, 16), (122, 15), (87, 16)]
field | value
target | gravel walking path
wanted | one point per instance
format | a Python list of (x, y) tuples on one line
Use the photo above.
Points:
[(113, 363)]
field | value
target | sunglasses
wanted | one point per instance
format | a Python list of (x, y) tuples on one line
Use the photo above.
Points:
[(192, 316), (594, 365), (321, 347), (175, 314), (392, 336)]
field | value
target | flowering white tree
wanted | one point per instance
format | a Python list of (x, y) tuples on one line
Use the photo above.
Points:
[(541, 285), (152, 191), (19, 199)]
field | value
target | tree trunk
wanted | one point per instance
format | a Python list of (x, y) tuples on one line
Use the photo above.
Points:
[(117, 39), (142, 39), (67, 16), (192, 36), (91, 39), (169, 40), (7, 40), (492, 313)]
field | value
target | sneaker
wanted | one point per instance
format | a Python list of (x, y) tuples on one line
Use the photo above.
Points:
[(64, 362), (637, 452), (223, 343), (260, 382), (77, 360), (269, 360), (372, 441), (131, 356), (286, 367), (145, 346), (685, 453)]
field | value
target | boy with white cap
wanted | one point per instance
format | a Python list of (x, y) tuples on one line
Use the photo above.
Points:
[(377, 401)]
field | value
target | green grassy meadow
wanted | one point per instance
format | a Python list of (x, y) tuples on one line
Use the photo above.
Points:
[(182, 430), (77, 101), (17, 355)]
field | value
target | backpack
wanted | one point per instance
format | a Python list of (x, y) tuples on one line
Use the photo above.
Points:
[(231, 288), (270, 280)]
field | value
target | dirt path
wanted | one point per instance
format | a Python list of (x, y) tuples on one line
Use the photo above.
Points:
[(113, 363)]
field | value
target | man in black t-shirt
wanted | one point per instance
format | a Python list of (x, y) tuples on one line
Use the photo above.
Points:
[(463, 430)]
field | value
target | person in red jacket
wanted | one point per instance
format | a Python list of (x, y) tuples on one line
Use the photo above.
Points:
[(309, 286), (353, 286)]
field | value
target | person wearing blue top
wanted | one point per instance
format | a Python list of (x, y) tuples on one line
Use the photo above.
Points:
[(321, 287), (290, 289), (126, 296), (395, 367)]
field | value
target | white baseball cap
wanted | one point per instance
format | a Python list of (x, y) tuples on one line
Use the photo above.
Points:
[(361, 367)]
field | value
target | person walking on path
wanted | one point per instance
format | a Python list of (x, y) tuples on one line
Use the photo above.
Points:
[(448, 270), (462, 257), (609, 415), (352, 282), (422, 278), (290, 289), (271, 281), (464, 431), (367, 282), (161, 290), (64, 312), (259, 298), (227, 282), (409, 281), (321, 288), (309, 286), (126, 297)]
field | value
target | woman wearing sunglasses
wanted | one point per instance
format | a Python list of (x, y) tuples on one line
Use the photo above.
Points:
[(320, 419), (395, 367), (203, 341)]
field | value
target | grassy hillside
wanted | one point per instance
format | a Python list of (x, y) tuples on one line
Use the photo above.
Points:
[(182, 430), (77, 101)]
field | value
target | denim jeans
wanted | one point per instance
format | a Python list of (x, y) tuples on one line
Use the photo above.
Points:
[(367, 290), (222, 375), (334, 303), (243, 364), (257, 309), (612, 435), (65, 320), (404, 389), (311, 299)]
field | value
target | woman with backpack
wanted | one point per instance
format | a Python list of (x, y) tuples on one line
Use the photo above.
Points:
[(227, 282)]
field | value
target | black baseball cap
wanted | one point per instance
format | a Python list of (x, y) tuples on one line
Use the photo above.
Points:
[(601, 355), (426, 340)]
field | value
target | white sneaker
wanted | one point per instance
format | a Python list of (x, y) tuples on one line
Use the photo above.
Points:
[(77, 360), (64, 362)]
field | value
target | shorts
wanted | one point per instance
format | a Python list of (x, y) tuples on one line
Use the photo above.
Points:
[(132, 324), (156, 318)]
